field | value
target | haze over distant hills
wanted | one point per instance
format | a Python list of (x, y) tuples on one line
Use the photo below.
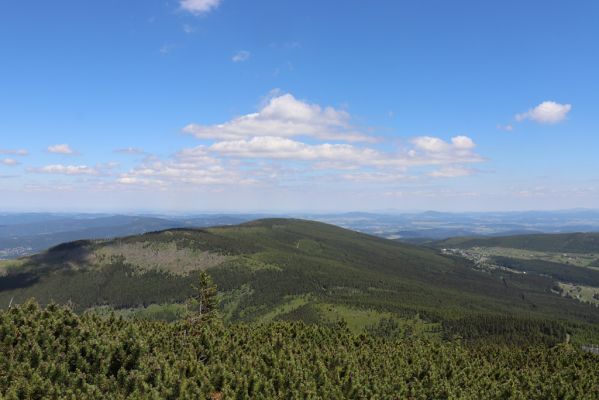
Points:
[(441, 225), (27, 233)]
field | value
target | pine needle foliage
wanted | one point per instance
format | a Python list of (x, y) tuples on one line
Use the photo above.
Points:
[(53, 353), (204, 302)]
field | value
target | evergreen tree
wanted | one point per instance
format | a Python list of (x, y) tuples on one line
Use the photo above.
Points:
[(205, 297)]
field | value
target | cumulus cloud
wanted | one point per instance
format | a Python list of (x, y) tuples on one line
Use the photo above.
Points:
[(284, 116), (548, 112), (61, 149), (9, 162), (435, 151), (435, 145), (246, 161), (241, 56), (61, 169), (296, 140), (192, 166), (426, 151), (283, 148), (18, 152), (199, 7)]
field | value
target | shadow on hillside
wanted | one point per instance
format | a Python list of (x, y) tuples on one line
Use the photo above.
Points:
[(17, 281), (59, 258)]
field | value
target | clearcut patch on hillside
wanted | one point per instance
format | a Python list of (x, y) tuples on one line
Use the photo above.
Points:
[(159, 256)]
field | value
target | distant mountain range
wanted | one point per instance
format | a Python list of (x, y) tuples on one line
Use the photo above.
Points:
[(24, 234), (441, 225)]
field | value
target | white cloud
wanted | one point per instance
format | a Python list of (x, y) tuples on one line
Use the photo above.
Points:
[(448, 193), (435, 145), (188, 29), (435, 151), (462, 143), (265, 147), (199, 6), (507, 127), (61, 149), (241, 56), (427, 151), (9, 162), (283, 148), (284, 116), (188, 167), (376, 177), (19, 152), (451, 172), (61, 169), (130, 150), (253, 160), (548, 112)]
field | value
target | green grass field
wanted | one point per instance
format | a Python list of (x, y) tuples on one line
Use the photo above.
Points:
[(585, 294), (6, 265), (586, 260)]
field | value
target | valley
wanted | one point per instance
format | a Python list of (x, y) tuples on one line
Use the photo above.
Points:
[(574, 269)]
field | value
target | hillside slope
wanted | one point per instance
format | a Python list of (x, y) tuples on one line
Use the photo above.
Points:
[(560, 242), (287, 269), (26, 234)]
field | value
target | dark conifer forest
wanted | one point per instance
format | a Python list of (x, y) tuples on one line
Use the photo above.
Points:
[(53, 353), (287, 309)]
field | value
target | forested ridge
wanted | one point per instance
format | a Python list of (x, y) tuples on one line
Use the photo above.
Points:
[(289, 270), (306, 312), (410, 350), (52, 353)]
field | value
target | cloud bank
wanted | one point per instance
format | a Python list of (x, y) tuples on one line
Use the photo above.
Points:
[(289, 140), (61, 169), (286, 142)]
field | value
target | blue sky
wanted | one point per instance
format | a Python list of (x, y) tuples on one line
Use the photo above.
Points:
[(271, 105)]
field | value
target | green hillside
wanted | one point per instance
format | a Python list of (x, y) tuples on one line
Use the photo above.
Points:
[(570, 260), (559, 243), (281, 269)]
